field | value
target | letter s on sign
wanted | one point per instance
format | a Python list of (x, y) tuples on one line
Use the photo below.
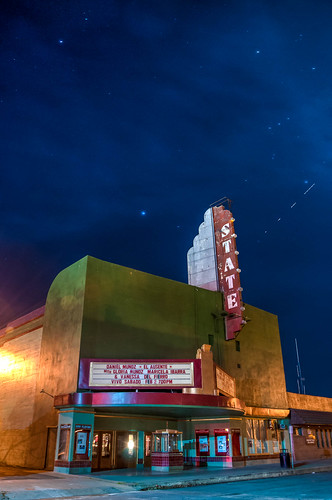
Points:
[(225, 230)]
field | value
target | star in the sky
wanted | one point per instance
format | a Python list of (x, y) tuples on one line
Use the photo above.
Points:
[(143, 212), (60, 41)]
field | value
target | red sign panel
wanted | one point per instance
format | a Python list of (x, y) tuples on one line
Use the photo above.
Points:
[(228, 269)]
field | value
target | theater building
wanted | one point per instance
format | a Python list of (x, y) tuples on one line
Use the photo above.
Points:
[(125, 369)]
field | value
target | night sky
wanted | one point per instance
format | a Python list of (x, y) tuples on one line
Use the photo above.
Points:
[(122, 121)]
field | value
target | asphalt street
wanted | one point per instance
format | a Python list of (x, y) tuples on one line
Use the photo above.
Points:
[(307, 481), (314, 486)]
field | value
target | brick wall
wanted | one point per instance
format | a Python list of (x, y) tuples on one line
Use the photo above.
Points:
[(304, 451)]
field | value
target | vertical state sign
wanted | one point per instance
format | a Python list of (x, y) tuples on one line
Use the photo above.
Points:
[(228, 269)]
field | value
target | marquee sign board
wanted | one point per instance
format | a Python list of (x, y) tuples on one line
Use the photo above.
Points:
[(225, 383), (134, 374)]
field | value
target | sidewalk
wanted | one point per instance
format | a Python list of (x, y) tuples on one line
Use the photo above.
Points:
[(44, 484)]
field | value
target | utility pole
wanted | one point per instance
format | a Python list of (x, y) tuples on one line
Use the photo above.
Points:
[(300, 379)]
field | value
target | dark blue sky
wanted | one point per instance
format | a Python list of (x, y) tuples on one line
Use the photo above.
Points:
[(111, 108)]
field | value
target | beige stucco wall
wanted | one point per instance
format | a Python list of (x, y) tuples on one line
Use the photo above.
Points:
[(19, 367), (305, 402), (258, 367)]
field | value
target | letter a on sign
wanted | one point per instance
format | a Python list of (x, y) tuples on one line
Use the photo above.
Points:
[(228, 264)]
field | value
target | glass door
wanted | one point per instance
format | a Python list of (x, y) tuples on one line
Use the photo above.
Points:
[(105, 460), (126, 449), (95, 450), (102, 450), (147, 449)]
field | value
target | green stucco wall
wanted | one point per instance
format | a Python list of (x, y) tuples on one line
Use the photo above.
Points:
[(96, 309), (131, 314), (59, 355)]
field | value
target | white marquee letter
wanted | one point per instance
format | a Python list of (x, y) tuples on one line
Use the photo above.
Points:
[(231, 300), (227, 245), (228, 264), (225, 230), (230, 280)]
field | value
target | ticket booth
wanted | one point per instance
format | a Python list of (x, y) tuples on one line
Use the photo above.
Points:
[(166, 450), (74, 444)]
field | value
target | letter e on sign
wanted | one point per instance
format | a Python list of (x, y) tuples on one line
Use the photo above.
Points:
[(231, 301)]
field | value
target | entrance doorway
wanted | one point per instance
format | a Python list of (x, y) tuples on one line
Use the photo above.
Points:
[(236, 447), (126, 450), (50, 448), (147, 449), (114, 450), (103, 450)]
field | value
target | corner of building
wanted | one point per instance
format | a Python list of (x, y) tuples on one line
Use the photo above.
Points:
[(59, 353)]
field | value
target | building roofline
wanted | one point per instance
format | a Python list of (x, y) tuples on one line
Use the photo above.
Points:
[(22, 320)]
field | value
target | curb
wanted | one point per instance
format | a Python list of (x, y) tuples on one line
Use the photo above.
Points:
[(231, 479)]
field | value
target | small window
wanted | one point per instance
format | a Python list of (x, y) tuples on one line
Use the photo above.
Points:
[(237, 345), (238, 365), (328, 443), (317, 438), (64, 442), (211, 340), (322, 438)]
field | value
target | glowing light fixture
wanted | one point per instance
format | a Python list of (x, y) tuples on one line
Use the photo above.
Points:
[(131, 443), (6, 363)]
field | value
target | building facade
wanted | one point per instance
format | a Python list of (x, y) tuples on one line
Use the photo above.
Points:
[(117, 358), (100, 311)]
